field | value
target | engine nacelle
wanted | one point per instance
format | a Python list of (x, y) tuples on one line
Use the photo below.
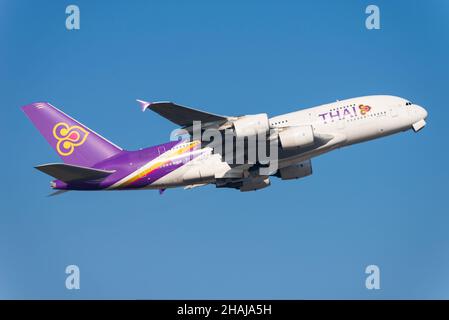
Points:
[(296, 137), (251, 125), (296, 171), (254, 184)]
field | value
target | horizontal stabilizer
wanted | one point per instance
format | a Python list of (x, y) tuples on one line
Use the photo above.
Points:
[(180, 115), (69, 173)]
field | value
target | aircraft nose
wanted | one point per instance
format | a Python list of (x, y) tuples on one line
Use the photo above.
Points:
[(421, 112), (419, 117)]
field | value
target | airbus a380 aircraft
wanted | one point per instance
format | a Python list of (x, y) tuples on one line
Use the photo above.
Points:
[(93, 163)]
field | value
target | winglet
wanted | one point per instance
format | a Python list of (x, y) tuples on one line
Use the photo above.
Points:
[(143, 104)]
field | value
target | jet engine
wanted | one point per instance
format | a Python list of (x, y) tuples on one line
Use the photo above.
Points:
[(295, 171), (296, 137), (251, 125)]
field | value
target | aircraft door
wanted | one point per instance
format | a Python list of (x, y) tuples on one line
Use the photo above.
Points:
[(161, 149), (393, 111)]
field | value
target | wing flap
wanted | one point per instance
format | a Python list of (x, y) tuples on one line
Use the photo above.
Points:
[(69, 173)]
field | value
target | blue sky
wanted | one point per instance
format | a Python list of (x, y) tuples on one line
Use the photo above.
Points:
[(382, 202)]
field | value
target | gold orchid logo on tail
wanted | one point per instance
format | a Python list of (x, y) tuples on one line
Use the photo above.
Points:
[(68, 137), (364, 109)]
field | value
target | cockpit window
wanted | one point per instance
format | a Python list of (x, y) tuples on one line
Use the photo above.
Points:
[(408, 103)]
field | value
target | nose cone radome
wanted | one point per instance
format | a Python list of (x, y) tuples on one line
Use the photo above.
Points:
[(422, 113), (419, 114)]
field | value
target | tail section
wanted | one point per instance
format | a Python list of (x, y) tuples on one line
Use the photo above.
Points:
[(74, 143)]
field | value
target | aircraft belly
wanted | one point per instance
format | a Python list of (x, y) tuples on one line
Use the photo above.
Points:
[(196, 172), (173, 179)]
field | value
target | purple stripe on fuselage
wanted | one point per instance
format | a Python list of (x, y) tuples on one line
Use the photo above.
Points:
[(124, 163), (127, 162), (165, 170)]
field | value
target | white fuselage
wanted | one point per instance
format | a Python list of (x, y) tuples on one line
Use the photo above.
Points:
[(386, 115), (346, 122)]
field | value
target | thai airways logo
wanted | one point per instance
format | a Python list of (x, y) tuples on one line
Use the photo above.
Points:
[(364, 109), (342, 113), (69, 137)]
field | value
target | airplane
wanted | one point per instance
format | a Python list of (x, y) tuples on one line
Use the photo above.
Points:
[(91, 162)]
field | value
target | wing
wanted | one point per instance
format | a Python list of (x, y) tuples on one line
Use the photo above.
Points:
[(180, 115), (68, 173)]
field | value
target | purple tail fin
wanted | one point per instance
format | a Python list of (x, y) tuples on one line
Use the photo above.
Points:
[(74, 143)]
